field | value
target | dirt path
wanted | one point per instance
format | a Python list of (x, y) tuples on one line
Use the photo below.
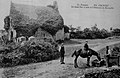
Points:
[(50, 69)]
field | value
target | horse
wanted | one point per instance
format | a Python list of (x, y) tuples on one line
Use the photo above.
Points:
[(84, 54)]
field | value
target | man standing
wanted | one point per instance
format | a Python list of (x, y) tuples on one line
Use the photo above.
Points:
[(108, 51), (62, 53), (108, 54), (86, 47)]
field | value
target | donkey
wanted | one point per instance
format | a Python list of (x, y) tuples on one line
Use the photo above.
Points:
[(85, 54)]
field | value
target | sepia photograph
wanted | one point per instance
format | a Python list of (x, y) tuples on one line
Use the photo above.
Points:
[(60, 39)]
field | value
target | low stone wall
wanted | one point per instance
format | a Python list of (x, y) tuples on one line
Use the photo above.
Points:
[(111, 73)]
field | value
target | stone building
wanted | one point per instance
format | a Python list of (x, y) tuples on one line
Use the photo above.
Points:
[(43, 34), (32, 20), (9, 28), (59, 35)]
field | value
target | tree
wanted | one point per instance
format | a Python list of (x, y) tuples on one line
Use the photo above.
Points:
[(111, 28), (71, 28), (66, 29), (95, 29), (79, 28), (91, 33), (104, 33), (87, 33), (95, 32), (116, 32)]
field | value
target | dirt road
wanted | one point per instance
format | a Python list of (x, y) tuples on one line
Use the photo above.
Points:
[(51, 69)]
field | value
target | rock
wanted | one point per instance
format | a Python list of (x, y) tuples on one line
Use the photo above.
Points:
[(102, 62), (95, 63)]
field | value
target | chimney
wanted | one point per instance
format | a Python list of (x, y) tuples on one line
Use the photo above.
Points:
[(55, 5)]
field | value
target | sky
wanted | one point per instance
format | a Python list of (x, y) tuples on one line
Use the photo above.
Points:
[(83, 17)]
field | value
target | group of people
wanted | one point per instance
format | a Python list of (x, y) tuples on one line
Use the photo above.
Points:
[(86, 49), (62, 51)]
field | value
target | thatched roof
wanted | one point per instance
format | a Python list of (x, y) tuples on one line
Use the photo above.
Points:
[(45, 17)]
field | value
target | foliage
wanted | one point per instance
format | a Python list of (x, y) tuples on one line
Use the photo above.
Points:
[(116, 32), (31, 52), (91, 33)]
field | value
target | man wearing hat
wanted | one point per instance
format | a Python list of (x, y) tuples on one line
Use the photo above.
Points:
[(86, 47), (62, 53)]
